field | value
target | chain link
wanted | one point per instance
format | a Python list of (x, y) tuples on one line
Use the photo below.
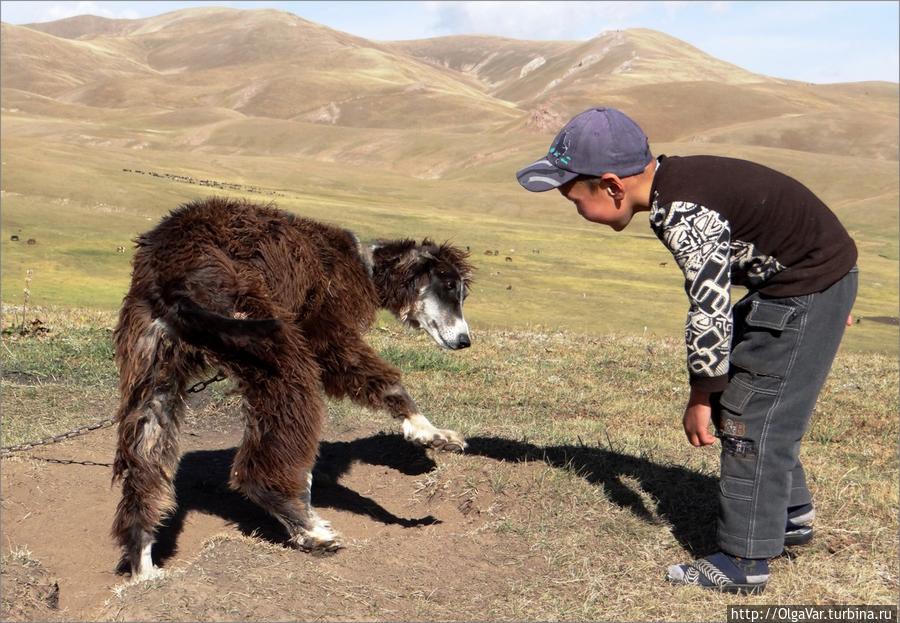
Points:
[(57, 438), (199, 387), (82, 430), (71, 462)]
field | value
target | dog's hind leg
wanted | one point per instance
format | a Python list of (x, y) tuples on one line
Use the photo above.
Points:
[(284, 412), (152, 375)]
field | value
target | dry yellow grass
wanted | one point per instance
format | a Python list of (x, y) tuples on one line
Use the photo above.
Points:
[(577, 490)]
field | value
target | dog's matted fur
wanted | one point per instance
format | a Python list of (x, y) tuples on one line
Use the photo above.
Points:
[(279, 303)]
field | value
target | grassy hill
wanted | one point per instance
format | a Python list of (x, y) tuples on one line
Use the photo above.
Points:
[(104, 121)]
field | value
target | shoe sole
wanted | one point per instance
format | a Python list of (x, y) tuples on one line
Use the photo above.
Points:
[(737, 589), (743, 589), (799, 536)]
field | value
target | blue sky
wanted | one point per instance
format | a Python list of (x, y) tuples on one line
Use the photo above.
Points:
[(809, 41)]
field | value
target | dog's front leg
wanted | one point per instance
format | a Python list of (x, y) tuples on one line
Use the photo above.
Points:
[(350, 368), (416, 427)]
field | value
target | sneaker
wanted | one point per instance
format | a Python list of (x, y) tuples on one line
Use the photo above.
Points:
[(798, 530), (723, 572)]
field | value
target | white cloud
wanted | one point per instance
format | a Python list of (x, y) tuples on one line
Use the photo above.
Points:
[(102, 9), (22, 12), (531, 20)]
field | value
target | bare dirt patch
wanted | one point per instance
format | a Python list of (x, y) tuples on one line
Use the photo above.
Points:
[(28, 592), (577, 490), (420, 534)]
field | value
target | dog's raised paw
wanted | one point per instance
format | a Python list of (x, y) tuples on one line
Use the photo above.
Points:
[(448, 441), (419, 430), (454, 446)]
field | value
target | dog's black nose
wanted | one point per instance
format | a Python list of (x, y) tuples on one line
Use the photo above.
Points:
[(463, 341)]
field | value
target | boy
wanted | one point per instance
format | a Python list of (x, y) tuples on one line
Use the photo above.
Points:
[(755, 368)]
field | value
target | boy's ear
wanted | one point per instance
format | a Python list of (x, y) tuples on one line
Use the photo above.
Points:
[(613, 185)]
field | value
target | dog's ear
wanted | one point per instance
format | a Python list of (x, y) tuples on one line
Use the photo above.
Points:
[(457, 258), (415, 260)]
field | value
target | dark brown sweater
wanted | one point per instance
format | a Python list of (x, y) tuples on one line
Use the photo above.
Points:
[(729, 221)]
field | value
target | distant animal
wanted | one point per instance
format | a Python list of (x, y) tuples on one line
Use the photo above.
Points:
[(31, 241), (488, 252), (508, 259), (496, 252), (14, 238), (279, 303)]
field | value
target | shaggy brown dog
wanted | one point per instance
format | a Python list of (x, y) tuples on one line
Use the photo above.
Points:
[(280, 304)]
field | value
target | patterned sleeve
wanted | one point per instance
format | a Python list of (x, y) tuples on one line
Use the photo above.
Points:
[(699, 239)]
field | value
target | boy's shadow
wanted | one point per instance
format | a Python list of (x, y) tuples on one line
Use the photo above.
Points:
[(685, 499)]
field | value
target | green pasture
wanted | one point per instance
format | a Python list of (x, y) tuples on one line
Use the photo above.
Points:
[(562, 273)]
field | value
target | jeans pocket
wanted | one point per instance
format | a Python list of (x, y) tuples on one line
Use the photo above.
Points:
[(801, 301), (765, 339), (736, 488), (737, 420), (769, 315)]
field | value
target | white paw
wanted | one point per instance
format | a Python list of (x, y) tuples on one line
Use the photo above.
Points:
[(319, 539), (419, 430), (151, 572)]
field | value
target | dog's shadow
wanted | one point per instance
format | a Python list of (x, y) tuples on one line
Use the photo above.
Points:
[(685, 499), (201, 484)]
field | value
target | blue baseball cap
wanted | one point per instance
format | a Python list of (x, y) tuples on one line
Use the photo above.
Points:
[(599, 140)]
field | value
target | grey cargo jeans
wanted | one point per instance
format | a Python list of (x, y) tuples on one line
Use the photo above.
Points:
[(782, 350)]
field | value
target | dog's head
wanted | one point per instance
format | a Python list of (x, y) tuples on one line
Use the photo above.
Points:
[(425, 286)]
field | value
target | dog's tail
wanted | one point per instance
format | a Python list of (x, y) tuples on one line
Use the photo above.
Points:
[(247, 342)]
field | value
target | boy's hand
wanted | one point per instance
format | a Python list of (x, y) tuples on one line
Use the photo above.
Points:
[(696, 419)]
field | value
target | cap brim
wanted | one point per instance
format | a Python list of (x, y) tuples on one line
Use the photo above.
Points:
[(541, 175)]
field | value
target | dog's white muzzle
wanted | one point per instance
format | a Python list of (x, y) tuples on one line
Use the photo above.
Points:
[(447, 327)]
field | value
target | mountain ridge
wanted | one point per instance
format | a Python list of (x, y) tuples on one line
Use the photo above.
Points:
[(270, 64)]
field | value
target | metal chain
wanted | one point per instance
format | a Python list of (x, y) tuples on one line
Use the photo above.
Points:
[(57, 438), (70, 462), (199, 387), (82, 430)]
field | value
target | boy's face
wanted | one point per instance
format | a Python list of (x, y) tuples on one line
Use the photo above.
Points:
[(598, 205)]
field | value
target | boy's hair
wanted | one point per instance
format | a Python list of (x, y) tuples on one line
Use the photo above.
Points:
[(594, 182)]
